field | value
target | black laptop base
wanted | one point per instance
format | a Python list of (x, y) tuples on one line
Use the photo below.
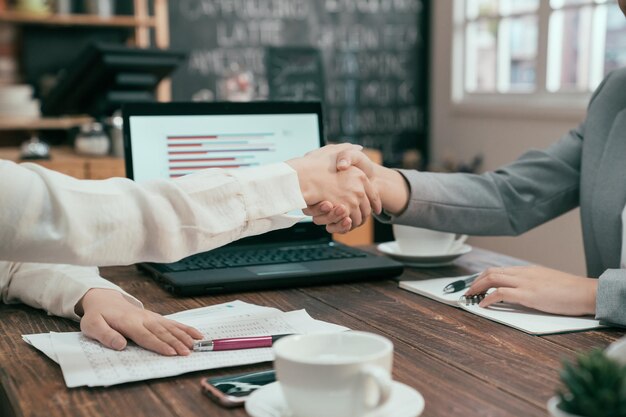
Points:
[(363, 267)]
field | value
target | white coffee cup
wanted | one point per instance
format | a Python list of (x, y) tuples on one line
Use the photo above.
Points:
[(346, 374), (425, 242)]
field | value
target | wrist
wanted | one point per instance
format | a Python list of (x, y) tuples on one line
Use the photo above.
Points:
[(593, 295), (307, 188), (85, 302), (393, 189)]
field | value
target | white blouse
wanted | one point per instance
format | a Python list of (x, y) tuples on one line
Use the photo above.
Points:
[(52, 287), (48, 217)]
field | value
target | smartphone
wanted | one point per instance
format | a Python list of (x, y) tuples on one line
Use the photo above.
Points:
[(233, 390)]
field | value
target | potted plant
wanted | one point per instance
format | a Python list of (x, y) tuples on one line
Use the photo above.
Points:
[(595, 386)]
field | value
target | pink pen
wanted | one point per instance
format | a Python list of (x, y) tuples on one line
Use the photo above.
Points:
[(234, 343)]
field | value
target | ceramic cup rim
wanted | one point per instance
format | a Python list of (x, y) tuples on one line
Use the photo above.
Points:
[(285, 343), (423, 230)]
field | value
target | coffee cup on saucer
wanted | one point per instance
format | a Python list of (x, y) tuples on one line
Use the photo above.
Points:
[(345, 374), (417, 241)]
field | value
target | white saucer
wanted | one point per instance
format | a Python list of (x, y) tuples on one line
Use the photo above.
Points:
[(270, 402), (421, 261)]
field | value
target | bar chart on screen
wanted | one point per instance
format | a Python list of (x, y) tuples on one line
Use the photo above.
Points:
[(190, 153), (177, 145)]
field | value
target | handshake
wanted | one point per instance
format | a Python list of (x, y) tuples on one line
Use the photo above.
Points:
[(342, 186)]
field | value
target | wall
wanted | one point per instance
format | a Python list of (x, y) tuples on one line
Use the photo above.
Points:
[(500, 138)]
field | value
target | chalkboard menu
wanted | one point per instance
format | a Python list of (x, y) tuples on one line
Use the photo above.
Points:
[(367, 60), (294, 74)]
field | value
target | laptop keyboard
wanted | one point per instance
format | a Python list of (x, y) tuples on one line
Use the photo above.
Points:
[(258, 256)]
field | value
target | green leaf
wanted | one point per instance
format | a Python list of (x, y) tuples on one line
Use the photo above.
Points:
[(595, 386)]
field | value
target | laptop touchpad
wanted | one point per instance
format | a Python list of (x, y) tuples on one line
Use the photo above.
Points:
[(278, 269)]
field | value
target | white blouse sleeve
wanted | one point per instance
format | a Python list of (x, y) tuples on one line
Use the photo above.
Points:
[(46, 216), (54, 288)]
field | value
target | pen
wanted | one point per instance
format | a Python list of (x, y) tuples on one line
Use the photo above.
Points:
[(236, 343), (460, 284)]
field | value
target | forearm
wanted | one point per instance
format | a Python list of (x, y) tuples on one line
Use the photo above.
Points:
[(50, 217), (54, 288), (509, 201)]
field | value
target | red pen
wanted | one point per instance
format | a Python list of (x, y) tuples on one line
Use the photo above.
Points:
[(234, 343)]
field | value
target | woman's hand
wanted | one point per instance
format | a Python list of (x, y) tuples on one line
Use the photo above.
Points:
[(110, 318), (350, 188), (537, 287), (334, 217), (393, 188), (389, 184)]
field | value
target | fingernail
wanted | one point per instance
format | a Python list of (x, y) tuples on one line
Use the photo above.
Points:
[(326, 207), (118, 343), (342, 163), (171, 351)]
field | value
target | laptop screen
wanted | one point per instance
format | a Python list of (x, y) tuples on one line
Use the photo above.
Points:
[(169, 140), (172, 146)]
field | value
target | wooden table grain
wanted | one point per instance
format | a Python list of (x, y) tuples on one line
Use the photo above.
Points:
[(463, 365)]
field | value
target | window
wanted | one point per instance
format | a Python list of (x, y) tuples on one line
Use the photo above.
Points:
[(501, 45), (536, 48)]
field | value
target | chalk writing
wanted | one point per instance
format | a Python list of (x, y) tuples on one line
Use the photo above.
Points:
[(369, 71)]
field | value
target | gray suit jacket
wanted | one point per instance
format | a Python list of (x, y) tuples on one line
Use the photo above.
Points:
[(586, 168)]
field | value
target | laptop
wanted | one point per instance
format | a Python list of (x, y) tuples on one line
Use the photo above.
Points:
[(242, 135)]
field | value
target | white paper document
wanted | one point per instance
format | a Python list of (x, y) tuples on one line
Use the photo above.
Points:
[(86, 362), (518, 317), (43, 341)]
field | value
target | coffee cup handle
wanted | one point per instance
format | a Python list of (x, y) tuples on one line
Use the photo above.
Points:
[(383, 383), (457, 244)]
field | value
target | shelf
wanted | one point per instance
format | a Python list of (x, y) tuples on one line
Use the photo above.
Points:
[(44, 123), (64, 159), (76, 20)]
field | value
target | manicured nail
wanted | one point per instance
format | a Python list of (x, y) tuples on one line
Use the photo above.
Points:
[(118, 343)]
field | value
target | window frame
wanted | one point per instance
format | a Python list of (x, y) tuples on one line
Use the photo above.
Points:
[(539, 103)]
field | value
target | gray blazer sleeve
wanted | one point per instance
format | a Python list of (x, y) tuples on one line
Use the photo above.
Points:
[(540, 185), (611, 297)]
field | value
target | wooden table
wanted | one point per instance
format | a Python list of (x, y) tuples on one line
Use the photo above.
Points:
[(463, 365)]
